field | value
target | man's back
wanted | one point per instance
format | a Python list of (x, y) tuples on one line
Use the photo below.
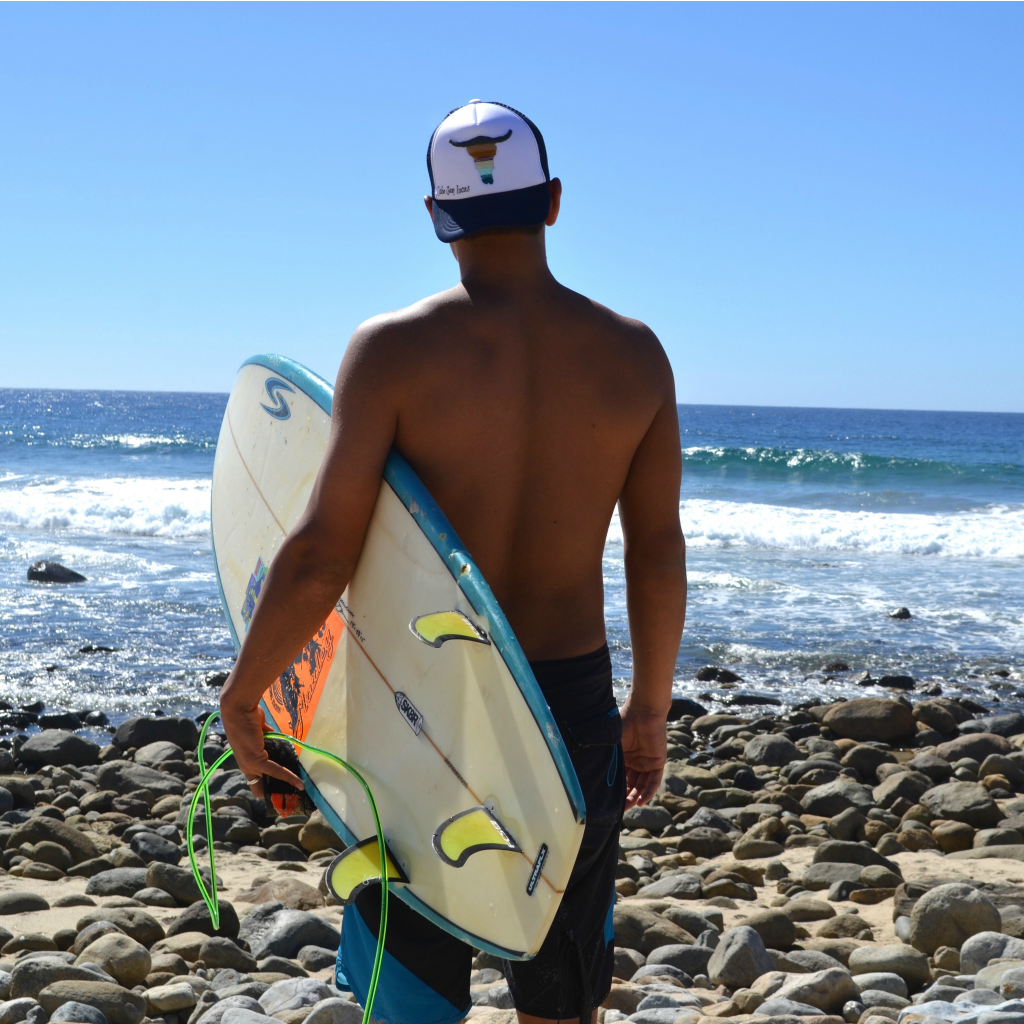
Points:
[(522, 413)]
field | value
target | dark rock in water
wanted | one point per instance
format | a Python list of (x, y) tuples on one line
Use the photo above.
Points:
[(751, 699), (1009, 724), (96, 718), (835, 666), (897, 682), (58, 747), (34, 708), (53, 572), (217, 678), (139, 732), (97, 649), (197, 919), (60, 720), (716, 674), (117, 882), (684, 706), (900, 613)]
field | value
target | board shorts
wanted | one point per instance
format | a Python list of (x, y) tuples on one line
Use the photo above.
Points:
[(425, 973)]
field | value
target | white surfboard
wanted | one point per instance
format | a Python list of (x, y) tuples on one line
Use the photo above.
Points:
[(416, 679)]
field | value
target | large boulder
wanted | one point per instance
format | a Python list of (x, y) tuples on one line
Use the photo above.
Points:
[(968, 802), (140, 732), (977, 745), (127, 777), (870, 718), (982, 947), (42, 828), (58, 747), (948, 915), (772, 750), (835, 797), (53, 572), (739, 959)]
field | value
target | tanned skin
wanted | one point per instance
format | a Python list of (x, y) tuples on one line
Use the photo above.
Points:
[(529, 412)]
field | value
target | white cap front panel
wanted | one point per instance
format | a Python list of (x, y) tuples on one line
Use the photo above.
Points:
[(501, 156)]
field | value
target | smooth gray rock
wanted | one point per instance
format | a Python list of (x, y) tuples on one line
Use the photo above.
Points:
[(153, 754), (772, 750), (827, 989), (909, 963), (823, 876), (835, 797), (272, 928), (984, 946), (240, 1015), (948, 915), (140, 732), (215, 1013), (968, 802), (839, 851), (908, 785), (30, 977), (16, 1010), (661, 971), (883, 981), (316, 958), (1009, 724), (126, 777), (196, 918), (652, 818), (150, 847), (879, 997), (691, 960), (779, 1006), (335, 1011), (117, 882), (178, 881), (740, 959), (58, 747), (684, 886), (21, 903), (293, 994), (83, 1013), (218, 952)]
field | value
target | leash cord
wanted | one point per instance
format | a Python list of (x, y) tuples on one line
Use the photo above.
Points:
[(211, 900)]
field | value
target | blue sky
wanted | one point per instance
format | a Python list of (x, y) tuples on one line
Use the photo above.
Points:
[(810, 204)]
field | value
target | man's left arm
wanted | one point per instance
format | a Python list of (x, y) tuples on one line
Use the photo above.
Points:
[(316, 560)]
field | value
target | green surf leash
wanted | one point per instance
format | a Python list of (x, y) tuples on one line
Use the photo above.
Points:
[(211, 899)]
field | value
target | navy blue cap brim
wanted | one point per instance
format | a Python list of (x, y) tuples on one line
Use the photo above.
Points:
[(456, 218)]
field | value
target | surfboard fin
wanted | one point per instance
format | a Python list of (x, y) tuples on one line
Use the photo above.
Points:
[(359, 866), (435, 628), (469, 832)]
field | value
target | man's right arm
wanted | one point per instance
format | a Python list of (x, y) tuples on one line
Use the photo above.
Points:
[(655, 562)]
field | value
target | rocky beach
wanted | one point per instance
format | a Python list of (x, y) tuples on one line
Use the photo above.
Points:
[(860, 861)]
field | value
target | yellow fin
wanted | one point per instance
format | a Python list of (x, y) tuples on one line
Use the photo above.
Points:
[(469, 832), (435, 628), (358, 867)]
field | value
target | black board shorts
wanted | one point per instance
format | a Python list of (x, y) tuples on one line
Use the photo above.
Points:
[(425, 974)]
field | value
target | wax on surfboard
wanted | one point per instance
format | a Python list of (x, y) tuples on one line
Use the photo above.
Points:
[(415, 677)]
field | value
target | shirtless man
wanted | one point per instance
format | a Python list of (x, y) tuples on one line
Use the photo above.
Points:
[(529, 412)]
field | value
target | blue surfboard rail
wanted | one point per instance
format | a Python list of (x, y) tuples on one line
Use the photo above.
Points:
[(428, 515)]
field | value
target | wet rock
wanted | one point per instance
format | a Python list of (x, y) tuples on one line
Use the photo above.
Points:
[(275, 929), (900, 613), (133, 921), (140, 732), (151, 847), (740, 958), (950, 914), (117, 882), (219, 952), (58, 747), (772, 750), (21, 903), (117, 1004), (196, 918), (53, 572), (834, 797), (968, 802), (870, 718), (126, 777), (974, 745), (909, 963), (43, 829)]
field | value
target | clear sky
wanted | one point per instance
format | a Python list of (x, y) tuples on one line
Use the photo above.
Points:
[(810, 204)]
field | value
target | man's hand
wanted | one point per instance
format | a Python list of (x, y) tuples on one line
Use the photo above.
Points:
[(644, 746), (244, 726)]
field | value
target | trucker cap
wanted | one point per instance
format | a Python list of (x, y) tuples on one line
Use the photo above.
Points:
[(488, 168)]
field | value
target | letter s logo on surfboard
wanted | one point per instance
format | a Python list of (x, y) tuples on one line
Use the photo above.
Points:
[(280, 409)]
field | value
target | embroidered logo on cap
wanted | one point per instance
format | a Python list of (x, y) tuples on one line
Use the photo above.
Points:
[(483, 149)]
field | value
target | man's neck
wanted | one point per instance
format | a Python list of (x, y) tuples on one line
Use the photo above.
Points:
[(503, 264)]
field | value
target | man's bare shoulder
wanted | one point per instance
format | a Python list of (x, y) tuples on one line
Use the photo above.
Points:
[(410, 323)]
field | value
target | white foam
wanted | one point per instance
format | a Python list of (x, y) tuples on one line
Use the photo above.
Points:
[(136, 506), (996, 532)]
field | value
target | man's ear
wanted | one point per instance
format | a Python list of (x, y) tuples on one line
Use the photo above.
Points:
[(555, 191)]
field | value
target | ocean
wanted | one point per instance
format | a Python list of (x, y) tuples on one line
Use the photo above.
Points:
[(804, 529)]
